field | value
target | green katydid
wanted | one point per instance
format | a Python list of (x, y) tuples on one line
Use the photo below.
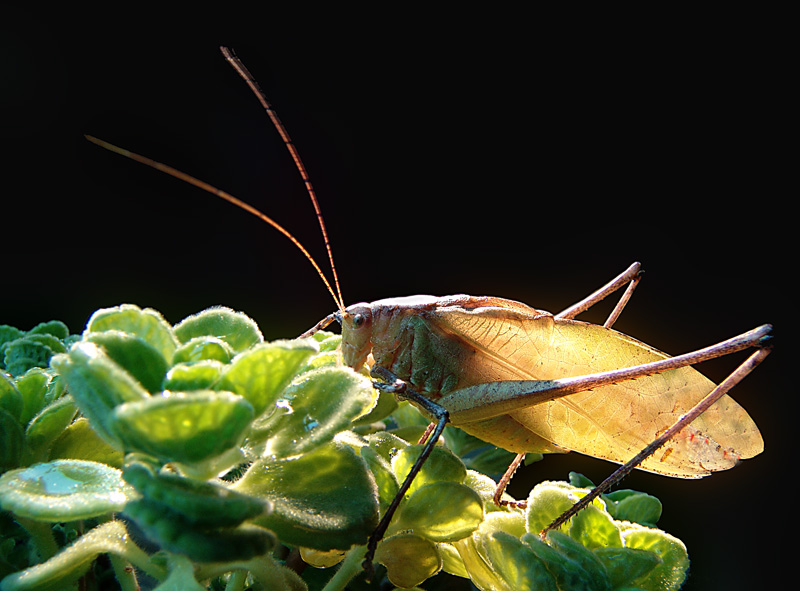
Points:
[(530, 381)]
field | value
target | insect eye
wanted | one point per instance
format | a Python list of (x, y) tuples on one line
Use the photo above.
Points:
[(358, 320)]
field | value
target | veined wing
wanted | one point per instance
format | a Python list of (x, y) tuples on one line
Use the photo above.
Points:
[(611, 422)]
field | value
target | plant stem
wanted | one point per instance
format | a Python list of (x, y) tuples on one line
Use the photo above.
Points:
[(125, 573), (236, 581), (349, 569), (42, 536)]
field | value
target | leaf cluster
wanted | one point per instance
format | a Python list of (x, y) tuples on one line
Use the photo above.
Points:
[(201, 456)]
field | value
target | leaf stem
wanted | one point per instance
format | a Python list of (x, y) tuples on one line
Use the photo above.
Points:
[(42, 535), (125, 573), (349, 569)]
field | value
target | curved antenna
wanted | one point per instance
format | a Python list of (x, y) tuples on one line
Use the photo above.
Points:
[(222, 194), (251, 82)]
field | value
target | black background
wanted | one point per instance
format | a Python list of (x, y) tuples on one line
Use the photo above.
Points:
[(480, 154)]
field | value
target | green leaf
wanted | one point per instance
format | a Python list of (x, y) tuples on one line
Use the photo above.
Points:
[(578, 480), (204, 348), (10, 398), (97, 385), (485, 487), (442, 512), (64, 490), (386, 444), (325, 499), (173, 532), (441, 465), (579, 554), (409, 559), (625, 565), (669, 575), (29, 351), (320, 404), (70, 564), (594, 528), (548, 500), (181, 575), (384, 477), (33, 385), (328, 341), (55, 328), (48, 425), (472, 551), (183, 427), (510, 522), (451, 560), (262, 373), (146, 324), (80, 442), (199, 375), (385, 405), (202, 504), (133, 354), (9, 333), (568, 573), (479, 455), (631, 505), (518, 566), (235, 328), (12, 441)]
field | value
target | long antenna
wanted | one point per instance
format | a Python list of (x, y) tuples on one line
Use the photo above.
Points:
[(222, 194), (251, 82)]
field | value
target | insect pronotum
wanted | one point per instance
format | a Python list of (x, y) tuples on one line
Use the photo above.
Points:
[(530, 381)]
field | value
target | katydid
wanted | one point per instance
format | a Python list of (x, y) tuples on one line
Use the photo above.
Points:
[(527, 380)]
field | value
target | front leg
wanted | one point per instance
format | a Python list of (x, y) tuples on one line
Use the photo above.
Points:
[(402, 390)]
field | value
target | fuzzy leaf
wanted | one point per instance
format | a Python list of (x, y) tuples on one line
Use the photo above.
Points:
[(568, 573), (29, 351), (235, 328), (325, 499), (409, 559), (64, 490), (625, 565), (69, 565), (55, 328), (261, 373), (149, 325), (199, 375), (669, 575), (441, 465), (49, 424), (594, 528), (442, 511), (98, 385), (520, 568), (318, 405), (133, 354), (183, 427), (173, 532), (202, 504), (80, 442), (12, 440), (204, 348), (631, 505), (10, 398), (32, 386)]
